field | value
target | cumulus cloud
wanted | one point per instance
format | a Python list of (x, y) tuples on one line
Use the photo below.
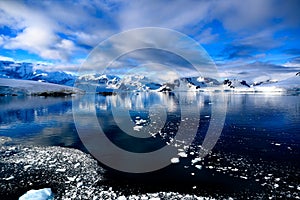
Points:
[(156, 46), (65, 31), (6, 58), (252, 72)]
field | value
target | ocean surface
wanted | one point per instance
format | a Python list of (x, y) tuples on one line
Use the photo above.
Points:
[(253, 140)]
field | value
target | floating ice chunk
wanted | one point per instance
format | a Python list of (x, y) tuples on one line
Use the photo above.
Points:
[(174, 160), (182, 154), (277, 144), (198, 166), (196, 160), (41, 194), (122, 198), (9, 178), (276, 185), (71, 178), (27, 166), (140, 121), (79, 184), (137, 128)]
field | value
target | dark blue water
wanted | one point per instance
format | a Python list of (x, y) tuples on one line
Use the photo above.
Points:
[(260, 131)]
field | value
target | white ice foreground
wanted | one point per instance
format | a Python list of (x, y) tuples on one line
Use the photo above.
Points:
[(25, 87), (41, 194)]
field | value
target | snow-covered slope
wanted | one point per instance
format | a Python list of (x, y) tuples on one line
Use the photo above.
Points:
[(292, 83), (25, 87)]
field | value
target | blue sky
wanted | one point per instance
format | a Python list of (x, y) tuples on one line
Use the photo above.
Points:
[(245, 38)]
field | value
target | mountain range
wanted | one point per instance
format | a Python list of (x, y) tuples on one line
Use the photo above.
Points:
[(135, 82), (26, 71)]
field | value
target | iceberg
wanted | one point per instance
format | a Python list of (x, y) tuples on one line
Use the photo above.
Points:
[(41, 194)]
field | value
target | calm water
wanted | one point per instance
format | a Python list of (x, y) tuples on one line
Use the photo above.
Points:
[(259, 129)]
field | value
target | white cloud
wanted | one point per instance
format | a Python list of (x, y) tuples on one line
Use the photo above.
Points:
[(1, 39), (207, 36), (58, 30), (255, 71), (242, 16), (6, 58), (37, 33), (175, 14)]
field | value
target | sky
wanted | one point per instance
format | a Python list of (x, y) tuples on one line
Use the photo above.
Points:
[(245, 39)]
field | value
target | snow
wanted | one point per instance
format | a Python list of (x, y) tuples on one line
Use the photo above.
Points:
[(135, 82), (26, 87)]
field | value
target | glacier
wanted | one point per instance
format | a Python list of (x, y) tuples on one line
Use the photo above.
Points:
[(16, 87)]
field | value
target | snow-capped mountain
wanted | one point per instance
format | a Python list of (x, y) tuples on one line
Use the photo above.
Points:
[(232, 84), (197, 83), (289, 84), (109, 83), (99, 78), (26, 71), (97, 82), (136, 82), (292, 83)]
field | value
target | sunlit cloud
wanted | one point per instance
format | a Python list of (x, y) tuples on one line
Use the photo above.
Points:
[(233, 32)]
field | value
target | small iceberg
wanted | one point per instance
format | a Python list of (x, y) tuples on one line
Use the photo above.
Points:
[(41, 194)]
